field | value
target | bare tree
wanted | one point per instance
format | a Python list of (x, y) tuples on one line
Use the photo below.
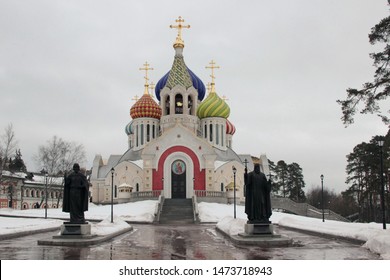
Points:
[(8, 145), (58, 155)]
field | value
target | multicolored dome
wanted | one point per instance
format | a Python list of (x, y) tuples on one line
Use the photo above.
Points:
[(230, 128), (145, 107), (213, 106), (129, 128), (196, 82)]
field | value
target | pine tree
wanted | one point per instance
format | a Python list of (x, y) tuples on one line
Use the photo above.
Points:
[(17, 164), (377, 90)]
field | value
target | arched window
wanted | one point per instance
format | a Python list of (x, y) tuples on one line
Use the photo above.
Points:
[(211, 133), (190, 105), (137, 187), (136, 135), (222, 187), (142, 134), (153, 131), (217, 133), (179, 104), (147, 132), (32, 193), (205, 131), (167, 105)]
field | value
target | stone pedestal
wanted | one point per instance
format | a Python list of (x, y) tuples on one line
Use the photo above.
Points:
[(261, 234), (75, 229), (259, 229)]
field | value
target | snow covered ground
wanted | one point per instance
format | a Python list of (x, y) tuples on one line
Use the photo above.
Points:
[(377, 239)]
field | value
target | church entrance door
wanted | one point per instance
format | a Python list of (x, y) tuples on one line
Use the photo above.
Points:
[(178, 172)]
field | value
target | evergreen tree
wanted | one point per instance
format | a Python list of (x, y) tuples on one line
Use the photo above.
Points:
[(281, 172), (364, 178), (377, 90), (295, 183), (17, 164)]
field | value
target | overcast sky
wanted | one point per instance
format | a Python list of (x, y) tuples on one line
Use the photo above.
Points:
[(71, 68)]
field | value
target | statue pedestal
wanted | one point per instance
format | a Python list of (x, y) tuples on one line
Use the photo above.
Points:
[(75, 229), (261, 234), (259, 229)]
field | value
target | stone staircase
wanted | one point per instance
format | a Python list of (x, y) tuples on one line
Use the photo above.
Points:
[(177, 211)]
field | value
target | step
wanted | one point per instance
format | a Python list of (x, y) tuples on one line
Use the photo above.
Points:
[(177, 211)]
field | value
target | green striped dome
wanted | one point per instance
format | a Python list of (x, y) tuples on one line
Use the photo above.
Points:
[(213, 106)]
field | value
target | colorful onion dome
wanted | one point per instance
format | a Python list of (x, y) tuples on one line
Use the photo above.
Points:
[(196, 82), (145, 107), (213, 106), (129, 128), (230, 128)]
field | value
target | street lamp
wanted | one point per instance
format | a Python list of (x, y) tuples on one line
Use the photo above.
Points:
[(322, 197), (234, 190), (112, 194), (380, 143), (46, 175)]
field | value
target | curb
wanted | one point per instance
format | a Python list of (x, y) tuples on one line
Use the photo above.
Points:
[(82, 242)]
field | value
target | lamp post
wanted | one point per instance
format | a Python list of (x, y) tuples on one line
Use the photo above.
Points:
[(234, 190), (322, 197), (380, 143), (112, 194), (46, 175)]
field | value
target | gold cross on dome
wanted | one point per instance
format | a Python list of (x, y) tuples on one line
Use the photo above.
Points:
[(179, 41), (225, 98), (208, 87), (152, 86), (135, 98), (212, 67), (146, 68)]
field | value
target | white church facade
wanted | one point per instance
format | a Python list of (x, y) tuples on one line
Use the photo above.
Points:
[(179, 147)]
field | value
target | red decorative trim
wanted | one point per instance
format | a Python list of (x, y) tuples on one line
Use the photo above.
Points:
[(199, 175)]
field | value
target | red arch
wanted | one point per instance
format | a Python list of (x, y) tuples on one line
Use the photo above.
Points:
[(199, 175)]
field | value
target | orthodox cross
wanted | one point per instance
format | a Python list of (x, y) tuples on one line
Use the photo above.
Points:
[(135, 98), (152, 86), (212, 67), (225, 98), (208, 87), (179, 41), (146, 68)]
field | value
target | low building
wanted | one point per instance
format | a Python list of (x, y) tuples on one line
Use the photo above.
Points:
[(19, 190)]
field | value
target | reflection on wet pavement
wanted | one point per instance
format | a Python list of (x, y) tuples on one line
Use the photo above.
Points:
[(197, 242)]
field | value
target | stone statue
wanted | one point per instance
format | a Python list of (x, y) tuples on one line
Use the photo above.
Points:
[(257, 197), (76, 190)]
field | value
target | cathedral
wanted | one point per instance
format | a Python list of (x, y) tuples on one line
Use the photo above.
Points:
[(179, 146)]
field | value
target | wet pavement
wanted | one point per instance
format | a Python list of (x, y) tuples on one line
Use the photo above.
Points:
[(195, 242)]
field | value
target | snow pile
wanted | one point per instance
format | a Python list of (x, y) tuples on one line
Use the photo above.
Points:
[(131, 212), (105, 227), (17, 225), (231, 226), (379, 242)]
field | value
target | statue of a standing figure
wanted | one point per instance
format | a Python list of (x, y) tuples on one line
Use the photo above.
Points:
[(76, 190), (257, 197)]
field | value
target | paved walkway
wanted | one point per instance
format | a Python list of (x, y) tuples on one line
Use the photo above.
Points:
[(149, 242)]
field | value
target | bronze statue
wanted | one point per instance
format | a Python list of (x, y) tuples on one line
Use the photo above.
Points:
[(257, 196), (76, 189)]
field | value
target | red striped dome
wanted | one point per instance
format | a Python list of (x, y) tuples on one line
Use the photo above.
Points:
[(230, 128), (145, 107)]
